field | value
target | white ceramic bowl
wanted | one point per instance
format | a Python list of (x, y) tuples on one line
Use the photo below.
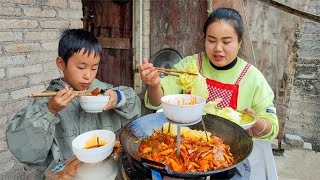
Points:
[(93, 104), (97, 154), (249, 119), (246, 126), (182, 113)]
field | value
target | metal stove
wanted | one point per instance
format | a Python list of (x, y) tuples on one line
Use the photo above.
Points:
[(259, 165), (132, 172)]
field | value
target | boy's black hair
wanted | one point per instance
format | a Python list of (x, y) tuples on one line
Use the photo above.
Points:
[(74, 40), (229, 15)]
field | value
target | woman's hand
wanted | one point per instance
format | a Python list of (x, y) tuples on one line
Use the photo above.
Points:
[(61, 100), (252, 112), (249, 111), (261, 127), (112, 100), (149, 75)]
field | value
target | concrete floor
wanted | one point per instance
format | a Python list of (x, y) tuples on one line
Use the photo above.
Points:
[(298, 164)]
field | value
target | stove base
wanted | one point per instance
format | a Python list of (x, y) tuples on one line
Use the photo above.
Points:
[(130, 171)]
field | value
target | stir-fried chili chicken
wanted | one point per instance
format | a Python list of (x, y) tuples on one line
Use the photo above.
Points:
[(196, 155)]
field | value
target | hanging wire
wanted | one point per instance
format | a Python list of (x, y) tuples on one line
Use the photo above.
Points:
[(249, 34)]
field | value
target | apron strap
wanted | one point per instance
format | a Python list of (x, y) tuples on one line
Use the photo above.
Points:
[(200, 62), (244, 71)]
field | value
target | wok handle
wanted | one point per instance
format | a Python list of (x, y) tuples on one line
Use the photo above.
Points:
[(154, 165)]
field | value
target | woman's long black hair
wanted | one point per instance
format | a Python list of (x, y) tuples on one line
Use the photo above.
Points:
[(229, 15)]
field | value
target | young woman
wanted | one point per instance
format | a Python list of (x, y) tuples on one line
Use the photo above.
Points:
[(239, 84)]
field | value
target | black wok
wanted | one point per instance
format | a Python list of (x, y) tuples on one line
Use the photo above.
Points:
[(239, 141)]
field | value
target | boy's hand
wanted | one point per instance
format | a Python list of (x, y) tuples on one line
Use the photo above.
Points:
[(61, 100), (112, 100), (149, 75)]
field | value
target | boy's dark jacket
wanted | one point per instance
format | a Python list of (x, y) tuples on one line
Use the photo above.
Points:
[(36, 137)]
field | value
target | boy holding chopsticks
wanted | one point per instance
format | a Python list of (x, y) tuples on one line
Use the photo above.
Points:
[(43, 131)]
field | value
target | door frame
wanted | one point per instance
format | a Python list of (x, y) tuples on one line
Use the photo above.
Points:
[(140, 38)]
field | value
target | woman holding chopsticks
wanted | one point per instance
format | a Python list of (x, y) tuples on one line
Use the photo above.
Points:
[(240, 85)]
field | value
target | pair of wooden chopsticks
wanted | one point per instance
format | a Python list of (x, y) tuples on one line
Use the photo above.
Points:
[(174, 72), (48, 94), (171, 71)]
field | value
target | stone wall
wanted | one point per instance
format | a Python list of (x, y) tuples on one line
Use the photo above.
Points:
[(29, 33), (304, 107)]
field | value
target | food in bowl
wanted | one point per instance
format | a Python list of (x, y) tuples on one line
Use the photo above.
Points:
[(230, 114), (95, 92), (94, 142), (96, 154), (182, 101), (183, 108), (196, 154), (245, 120), (93, 104)]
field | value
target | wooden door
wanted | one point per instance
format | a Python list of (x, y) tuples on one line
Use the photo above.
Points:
[(177, 24), (111, 22)]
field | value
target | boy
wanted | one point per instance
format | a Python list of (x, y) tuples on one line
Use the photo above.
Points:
[(43, 131)]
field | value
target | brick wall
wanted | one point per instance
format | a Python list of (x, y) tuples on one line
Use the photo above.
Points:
[(304, 107), (29, 33)]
